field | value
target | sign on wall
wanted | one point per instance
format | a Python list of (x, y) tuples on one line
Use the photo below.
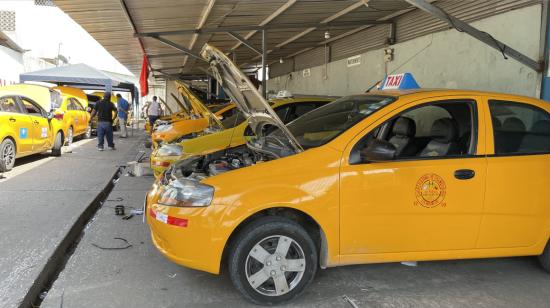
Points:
[(306, 72), (354, 61)]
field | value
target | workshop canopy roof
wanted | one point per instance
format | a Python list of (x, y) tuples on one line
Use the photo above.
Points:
[(82, 76)]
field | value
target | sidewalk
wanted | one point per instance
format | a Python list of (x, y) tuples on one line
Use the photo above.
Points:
[(40, 207)]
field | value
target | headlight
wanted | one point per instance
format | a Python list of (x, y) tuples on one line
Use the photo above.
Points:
[(186, 193), (170, 150), (163, 128)]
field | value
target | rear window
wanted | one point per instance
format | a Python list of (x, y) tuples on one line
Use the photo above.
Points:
[(56, 99)]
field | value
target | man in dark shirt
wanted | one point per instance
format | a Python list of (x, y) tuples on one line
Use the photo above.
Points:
[(104, 110)]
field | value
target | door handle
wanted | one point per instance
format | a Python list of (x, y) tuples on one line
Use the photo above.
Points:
[(13, 120), (464, 174)]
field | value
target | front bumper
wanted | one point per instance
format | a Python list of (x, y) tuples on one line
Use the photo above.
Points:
[(184, 235)]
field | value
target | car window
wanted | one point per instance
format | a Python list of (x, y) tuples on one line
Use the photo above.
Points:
[(8, 104), (300, 109), (228, 113), (56, 99), (233, 120), (31, 107), (519, 128), (437, 129), (76, 104), (282, 112)]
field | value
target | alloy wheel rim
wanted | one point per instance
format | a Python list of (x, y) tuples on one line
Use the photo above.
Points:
[(8, 154), (275, 265)]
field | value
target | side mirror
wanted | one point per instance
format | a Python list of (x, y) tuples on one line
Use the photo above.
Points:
[(89, 109), (50, 116), (378, 151)]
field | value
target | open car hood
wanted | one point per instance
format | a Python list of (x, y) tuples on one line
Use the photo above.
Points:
[(196, 105), (247, 98)]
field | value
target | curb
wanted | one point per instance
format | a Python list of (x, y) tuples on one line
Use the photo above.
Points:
[(62, 253)]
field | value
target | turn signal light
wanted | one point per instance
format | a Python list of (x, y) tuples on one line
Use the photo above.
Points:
[(58, 116), (161, 163)]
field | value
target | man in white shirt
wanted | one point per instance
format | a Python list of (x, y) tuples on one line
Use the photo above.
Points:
[(153, 111)]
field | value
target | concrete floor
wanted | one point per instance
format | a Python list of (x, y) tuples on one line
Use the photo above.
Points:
[(141, 277), (40, 201)]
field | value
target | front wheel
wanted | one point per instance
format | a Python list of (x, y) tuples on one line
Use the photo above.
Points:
[(58, 143), (544, 258), (272, 260), (7, 155)]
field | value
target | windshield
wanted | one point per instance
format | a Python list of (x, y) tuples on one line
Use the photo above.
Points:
[(233, 120), (325, 123)]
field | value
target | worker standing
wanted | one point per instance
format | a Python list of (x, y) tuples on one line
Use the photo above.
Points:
[(104, 110), (153, 111), (123, 108)]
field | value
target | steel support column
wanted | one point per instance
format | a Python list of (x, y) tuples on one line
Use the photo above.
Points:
[(545, 87), (480, 35), (264, 60)]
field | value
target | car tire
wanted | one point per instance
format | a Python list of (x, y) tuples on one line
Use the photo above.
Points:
[(7, 155), (70, 136), (274, 283), (57, 144), (544, 258)]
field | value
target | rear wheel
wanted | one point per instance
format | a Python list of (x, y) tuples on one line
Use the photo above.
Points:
[(58, 143), (7, 155), (272, 260), (544, 258)]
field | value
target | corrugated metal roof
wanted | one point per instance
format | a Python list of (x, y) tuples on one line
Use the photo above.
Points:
[(107, 22)]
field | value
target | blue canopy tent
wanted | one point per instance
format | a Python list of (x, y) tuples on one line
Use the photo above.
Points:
[(85, 77)]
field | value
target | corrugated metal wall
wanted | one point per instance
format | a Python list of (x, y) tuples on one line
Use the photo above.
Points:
[(409, 26), (314, 57)]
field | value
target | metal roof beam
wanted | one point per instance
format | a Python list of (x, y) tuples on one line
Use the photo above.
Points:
[(165, 55), (321, 26), (269, 18), (482, 36), (202, 21), (244, 41), (177, 46)]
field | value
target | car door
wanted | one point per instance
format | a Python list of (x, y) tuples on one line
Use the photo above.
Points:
[(41, 131), (20, 123), (77, 118), (517, 210), (83, 116), (428, 199), (71, 114)]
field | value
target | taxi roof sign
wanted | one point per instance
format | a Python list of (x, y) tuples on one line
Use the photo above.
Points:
[(402, 81)]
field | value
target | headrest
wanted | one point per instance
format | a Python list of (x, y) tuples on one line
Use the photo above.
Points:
[(404, 127), (542, 127), (444, 130), (497, 125), (513, 124)]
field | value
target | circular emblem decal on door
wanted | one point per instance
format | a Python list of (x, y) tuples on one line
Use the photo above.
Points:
[(430, 191)]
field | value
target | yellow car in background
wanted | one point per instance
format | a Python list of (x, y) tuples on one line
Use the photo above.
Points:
[(25, 126), (233, 134), (200, 118), (71, 109), (396, 175)]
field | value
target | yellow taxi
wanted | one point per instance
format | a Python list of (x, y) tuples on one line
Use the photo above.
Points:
[(394, 175), (181, 113), (199, 118), (70, 109), (25, 126), (233, 134)]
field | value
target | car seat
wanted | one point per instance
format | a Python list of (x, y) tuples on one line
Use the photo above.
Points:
[(444, 139)]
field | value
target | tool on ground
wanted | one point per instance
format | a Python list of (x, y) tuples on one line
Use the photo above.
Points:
[(119, 210)]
